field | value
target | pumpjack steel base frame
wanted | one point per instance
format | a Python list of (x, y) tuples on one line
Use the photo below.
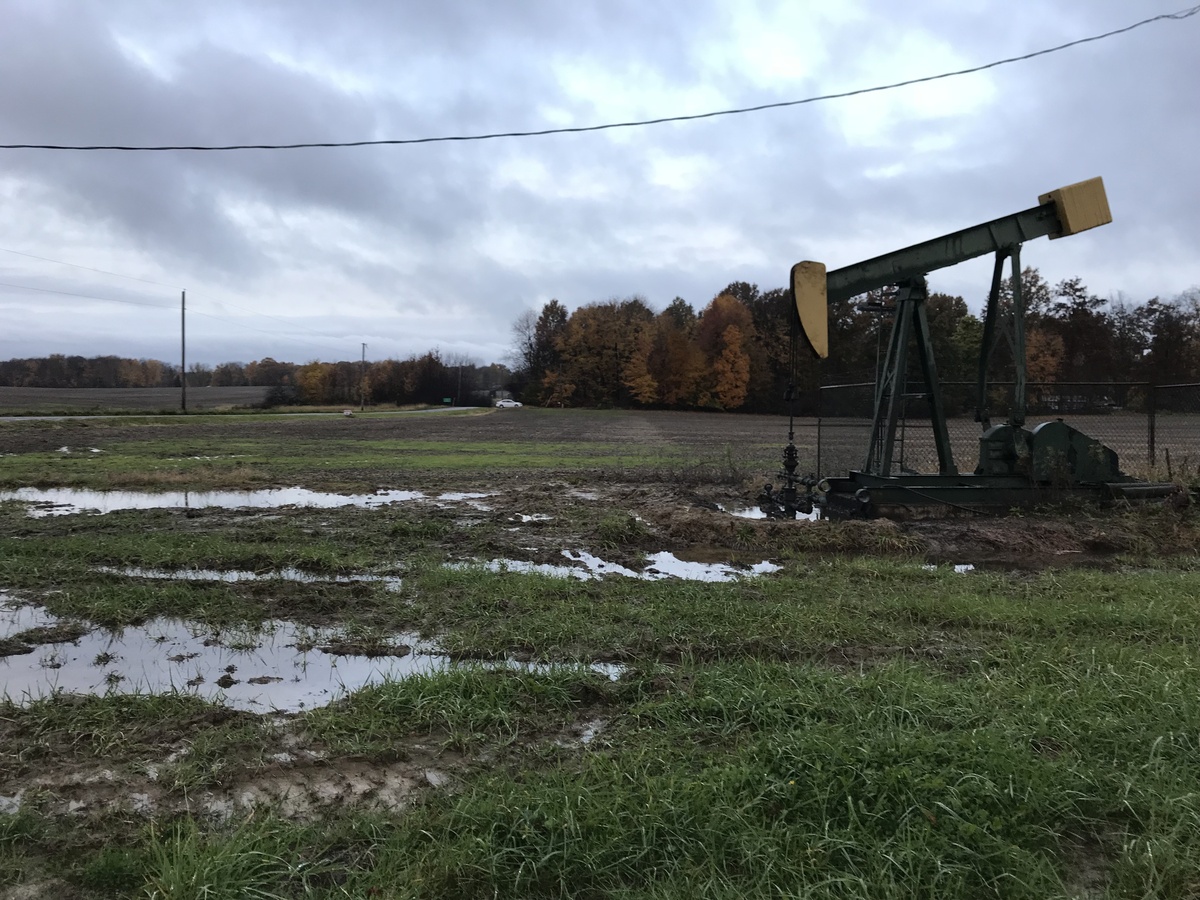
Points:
[(862, 495)]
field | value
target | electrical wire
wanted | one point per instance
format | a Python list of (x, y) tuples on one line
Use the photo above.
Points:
[(26, 287), (639, 123), (86, 268)]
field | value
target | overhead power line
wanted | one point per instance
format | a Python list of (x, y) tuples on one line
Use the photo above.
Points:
[(87, 268), (639, 123), (42, 290)]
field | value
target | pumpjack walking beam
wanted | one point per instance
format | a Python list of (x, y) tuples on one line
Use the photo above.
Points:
[(1063, 212)]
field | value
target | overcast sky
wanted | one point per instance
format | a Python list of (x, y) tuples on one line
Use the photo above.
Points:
[(306, 254)]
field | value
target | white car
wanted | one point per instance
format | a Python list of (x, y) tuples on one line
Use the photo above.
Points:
[(507, 404)]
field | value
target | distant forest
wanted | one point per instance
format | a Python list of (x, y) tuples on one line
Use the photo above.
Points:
[(731, 355), (424, 379), (734, 353)]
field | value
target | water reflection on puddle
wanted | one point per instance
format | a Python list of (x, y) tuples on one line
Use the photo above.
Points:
[(756, 512), (659, 566), (68, 501), (960, 568), (666, 565), (278, 666)]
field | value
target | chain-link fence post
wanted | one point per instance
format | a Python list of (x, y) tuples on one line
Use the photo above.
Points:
[(1151, 423), (820, 411)]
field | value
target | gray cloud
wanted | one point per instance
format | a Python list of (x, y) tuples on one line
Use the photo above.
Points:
[(412, 247)]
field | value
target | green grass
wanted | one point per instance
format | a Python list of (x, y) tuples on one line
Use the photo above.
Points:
[(59, 559), (463, 706), (862, 728), (867, 607), (752, 778), (254, 863), (773, 779), (134, 729), (854, 726), (749, 778), (164, 463)]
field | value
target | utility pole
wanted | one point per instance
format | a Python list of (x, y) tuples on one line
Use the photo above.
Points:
[(183, 351), (362, 381)]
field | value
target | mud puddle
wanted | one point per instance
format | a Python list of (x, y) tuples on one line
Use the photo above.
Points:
[(296, 788), (756, 512), (584, 566), (280, 666), (70, 501), (234, 576), (471, 499)]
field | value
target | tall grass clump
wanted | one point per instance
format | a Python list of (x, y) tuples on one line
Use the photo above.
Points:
[(253, 861), (468, 704)]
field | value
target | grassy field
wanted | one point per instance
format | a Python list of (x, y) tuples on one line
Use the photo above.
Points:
[(861, 721)]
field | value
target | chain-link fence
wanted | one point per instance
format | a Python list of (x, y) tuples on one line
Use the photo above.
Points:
[(844, 414), (1174, 450), (1146, 425)]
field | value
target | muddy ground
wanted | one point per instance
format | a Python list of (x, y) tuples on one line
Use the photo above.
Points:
[(629, 485), (708, 461), (150, 399)]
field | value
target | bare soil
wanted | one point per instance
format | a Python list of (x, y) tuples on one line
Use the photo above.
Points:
[(290, 772), (149, 399), (638, 430)]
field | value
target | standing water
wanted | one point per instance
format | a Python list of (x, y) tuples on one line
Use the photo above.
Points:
[(68, 501)]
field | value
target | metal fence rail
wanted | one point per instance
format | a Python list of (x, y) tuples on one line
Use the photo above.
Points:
[(1154, 429)]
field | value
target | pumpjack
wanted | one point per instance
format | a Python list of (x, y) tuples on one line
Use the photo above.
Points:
[(1017, 466)]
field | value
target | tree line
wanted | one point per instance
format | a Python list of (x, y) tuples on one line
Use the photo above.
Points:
[(734, 354), (424, 379)]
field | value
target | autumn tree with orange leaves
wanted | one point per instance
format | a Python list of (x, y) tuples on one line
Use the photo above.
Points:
[(723, 334), (675, 361), (599, 350)]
